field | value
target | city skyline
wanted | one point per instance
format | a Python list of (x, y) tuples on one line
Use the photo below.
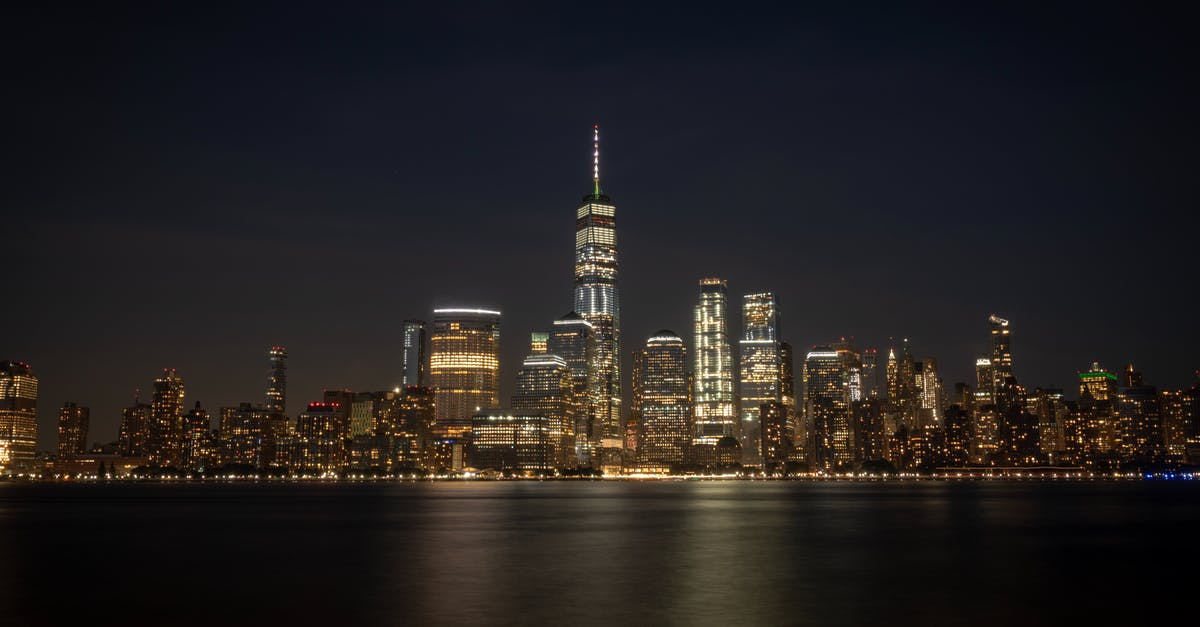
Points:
[(863, 206)]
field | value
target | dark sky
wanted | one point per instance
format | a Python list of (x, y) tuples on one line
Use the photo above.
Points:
[(186, 187)]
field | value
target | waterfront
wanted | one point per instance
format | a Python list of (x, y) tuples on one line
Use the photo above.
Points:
[(613, 553)]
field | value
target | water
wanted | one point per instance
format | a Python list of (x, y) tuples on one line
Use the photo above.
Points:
[(599, 553)]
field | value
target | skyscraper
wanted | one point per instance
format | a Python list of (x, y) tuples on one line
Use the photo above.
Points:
[(72, 431), (664, 433), (414, 353), (277, 382), (464, 366), (715, 417), (545, 386), (574, 339), (829, 372), (1002, 366), (985, 382), (134, 438), (18, 415), (166, 414), (596, 298), (760, 367)]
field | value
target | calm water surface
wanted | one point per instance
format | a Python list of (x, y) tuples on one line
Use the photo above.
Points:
[(599, 553)]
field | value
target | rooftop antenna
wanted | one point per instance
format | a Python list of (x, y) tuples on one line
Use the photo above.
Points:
[(596, 159)]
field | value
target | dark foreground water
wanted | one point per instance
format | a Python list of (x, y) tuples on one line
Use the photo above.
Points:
[(611, 553)]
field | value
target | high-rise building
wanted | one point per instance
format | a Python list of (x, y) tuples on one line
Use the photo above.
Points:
[(164, 445), (666, 413), (464, 366), (322, 430), (1002, 365), (539, 343), (134, 438), (545, 386), (985, 382), (929, 389), (518, 441), (72, 431), (240, 435), (761, 368), (597, 302), (829, 373), (787, 377), (18, 416), (414, 353), (277, 382), (777, 441), (714, 409), (574, 339), (198, 448), (1139, 426)]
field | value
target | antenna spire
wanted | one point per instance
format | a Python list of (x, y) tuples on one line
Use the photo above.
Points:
[(596, 159)]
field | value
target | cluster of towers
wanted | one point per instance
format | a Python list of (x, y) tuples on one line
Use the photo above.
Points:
[(721, 403)]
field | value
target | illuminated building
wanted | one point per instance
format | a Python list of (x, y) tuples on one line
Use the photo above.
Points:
[(1139, 427), (829, 388), (985, 435), (904, 394), (787, 377), (72, 431), (1098, 383), (1191, 421), (164, 445), (539, 343), (414, 353), (1173, 406), (596, 301), (633, 423), (413, 429), (666, 412), (503, 439), (198, 449), (1048, 405), (776, 444), (714, 406), (868, 429), (464, 366), (277, 383), (574, 339), (957, 429), (760, 366), (240, 433), (134, 438), (870, 373), (322, 431), (545, 386), (1002, 366), (363, 410), (18, 416), (929, 391), (985, 382)]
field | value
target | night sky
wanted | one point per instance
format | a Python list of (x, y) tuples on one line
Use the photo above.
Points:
[(186, 187)]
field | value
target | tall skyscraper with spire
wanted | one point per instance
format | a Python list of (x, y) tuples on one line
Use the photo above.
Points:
[(596, 300)]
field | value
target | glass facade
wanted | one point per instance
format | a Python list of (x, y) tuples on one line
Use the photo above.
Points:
[(545, 386), (574, 340), (830, 374), (464, 366), (18, 415), (665, 430), (714, 405), (761, 367), (596, 300), (413, 368)]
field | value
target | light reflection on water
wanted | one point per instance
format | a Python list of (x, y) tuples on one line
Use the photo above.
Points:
[(602, 553)]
